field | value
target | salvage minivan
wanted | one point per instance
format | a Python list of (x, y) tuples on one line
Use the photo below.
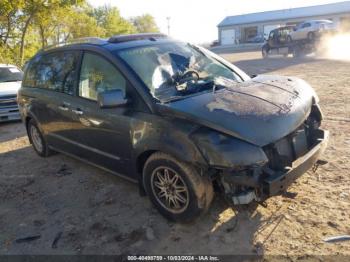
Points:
[(174, 117)]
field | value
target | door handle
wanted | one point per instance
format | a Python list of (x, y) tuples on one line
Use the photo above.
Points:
[(77, 111)]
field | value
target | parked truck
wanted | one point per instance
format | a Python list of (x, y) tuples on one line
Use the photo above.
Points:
[(300, 40), (278, 43)]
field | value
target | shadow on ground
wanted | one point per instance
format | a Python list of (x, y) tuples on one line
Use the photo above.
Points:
[(11, 130), (77, 209)]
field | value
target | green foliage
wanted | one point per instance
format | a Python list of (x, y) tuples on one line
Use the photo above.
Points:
[(110, 20), (145, 24), (28, 25)]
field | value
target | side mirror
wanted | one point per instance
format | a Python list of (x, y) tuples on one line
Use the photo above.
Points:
[(113, 98)]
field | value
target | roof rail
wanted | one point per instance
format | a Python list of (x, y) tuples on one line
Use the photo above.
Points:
[(82, 40), (134, 37)]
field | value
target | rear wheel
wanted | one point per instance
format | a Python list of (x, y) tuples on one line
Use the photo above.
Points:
[(297, 52), (175, 188), (37, 139)]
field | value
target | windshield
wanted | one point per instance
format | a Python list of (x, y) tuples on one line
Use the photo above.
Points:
[(10, 74), (175, 70)]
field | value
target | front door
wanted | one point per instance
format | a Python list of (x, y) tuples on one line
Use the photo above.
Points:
[(101, 135)]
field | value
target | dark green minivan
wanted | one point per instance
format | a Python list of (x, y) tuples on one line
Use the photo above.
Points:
[(173, 117)]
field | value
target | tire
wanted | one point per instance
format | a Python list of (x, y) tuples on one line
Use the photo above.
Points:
[(37, 139), (195, 191), (265, 52), (311, 36), (297, 52)]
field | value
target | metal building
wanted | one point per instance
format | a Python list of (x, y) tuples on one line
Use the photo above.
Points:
[(244, 28)]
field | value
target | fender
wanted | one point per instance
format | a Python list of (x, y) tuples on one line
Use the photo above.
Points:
[(26, 113), (171, 136)]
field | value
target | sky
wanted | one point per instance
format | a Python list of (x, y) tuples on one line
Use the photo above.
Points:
[(196, 20)]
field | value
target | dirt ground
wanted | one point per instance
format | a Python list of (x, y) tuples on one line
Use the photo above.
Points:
[(68, 207)]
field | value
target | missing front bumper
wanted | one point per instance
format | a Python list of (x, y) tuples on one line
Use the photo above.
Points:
[(277, 182), (263, 183)]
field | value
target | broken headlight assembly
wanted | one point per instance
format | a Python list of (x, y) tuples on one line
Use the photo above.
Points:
[(226, 152), (237, 164)]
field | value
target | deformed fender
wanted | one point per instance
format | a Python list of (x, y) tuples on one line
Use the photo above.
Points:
[(170, 137), (223, 151)]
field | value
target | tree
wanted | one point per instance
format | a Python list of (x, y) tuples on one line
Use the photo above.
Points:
[(38, 10), (110, 20), (28, 25), (145, 24), (68, 23), (9, 18)]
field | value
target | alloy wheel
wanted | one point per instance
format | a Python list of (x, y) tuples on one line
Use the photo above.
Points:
[(170, 189)]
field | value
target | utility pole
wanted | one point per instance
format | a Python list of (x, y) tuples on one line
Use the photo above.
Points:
[(168, 19)]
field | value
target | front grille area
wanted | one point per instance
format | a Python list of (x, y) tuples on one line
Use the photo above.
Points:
[(285, 151), (8, 101)]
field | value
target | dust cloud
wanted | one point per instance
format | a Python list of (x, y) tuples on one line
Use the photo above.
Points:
[(335, 47)]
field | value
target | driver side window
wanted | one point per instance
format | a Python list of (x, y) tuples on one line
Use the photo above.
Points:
[(98, 75)]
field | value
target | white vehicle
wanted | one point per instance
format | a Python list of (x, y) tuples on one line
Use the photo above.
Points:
[(310, 30), (10, 82)]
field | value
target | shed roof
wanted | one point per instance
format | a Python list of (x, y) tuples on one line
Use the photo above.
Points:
[(318, 10)]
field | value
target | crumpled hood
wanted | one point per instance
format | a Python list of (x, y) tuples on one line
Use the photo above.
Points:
[(259, 111), (9, 88)]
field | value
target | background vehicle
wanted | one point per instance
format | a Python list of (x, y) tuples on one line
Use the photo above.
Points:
[(256, 39), (279, 43), (214, 43), (310, 30), (172, 123), (10, 82)]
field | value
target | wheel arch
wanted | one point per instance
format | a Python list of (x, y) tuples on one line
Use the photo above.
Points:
[(185, 153), (29, 117), (142, 158), (26, 123)]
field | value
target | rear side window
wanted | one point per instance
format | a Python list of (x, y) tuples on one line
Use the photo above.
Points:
[(98, 75), (55, 71)]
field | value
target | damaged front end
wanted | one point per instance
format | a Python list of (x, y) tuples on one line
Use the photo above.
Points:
[(245, 172)]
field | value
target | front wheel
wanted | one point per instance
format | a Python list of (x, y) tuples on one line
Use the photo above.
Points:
[(265, 52), (176, 188)]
